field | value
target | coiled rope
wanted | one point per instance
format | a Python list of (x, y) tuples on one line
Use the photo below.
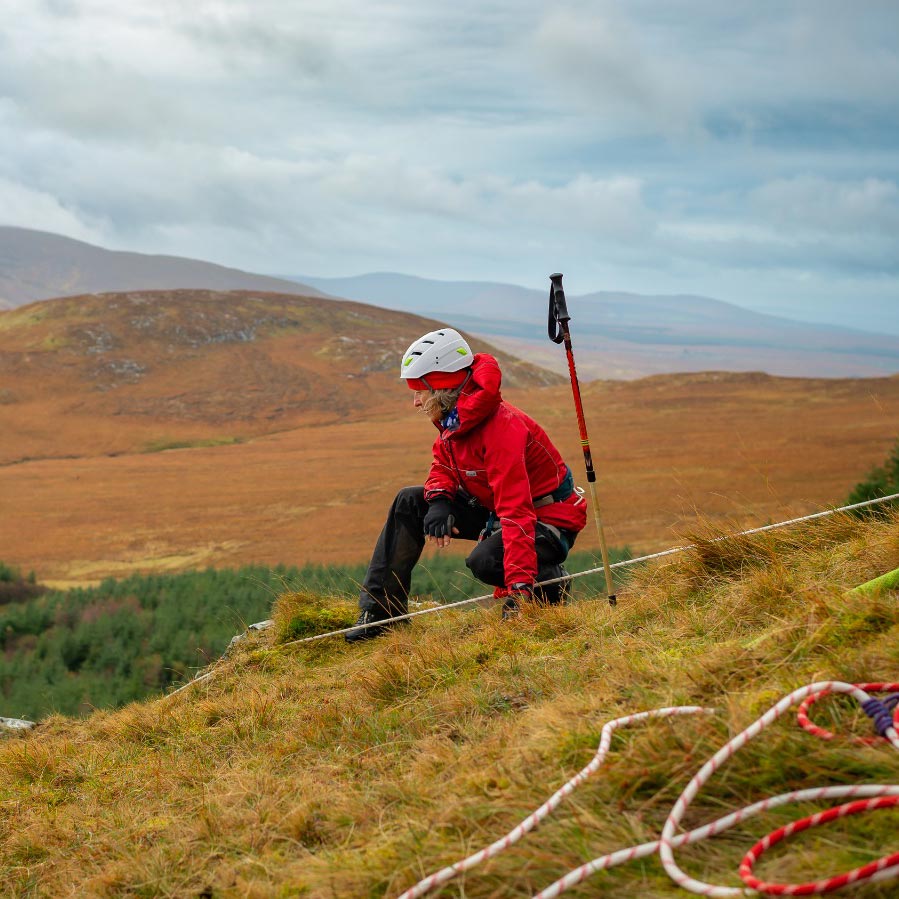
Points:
[(867, 796), (891, 704)]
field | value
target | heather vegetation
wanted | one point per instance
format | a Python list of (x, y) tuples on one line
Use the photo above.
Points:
[(99, 647), (14, 587), (329, 770)]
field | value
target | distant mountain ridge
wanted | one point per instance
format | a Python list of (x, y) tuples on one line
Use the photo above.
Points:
[(115, 372), (617, 335), (37, 265), (623, 335)]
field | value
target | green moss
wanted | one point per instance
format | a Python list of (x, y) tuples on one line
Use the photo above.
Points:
[(299, 615)]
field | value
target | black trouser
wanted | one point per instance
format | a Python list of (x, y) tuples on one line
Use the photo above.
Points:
[(386, 585)]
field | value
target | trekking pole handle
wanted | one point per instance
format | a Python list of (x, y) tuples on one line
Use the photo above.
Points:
[(558, 310)]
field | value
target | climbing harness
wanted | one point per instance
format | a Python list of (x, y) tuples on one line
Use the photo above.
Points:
[(560, 494), (487, 530), (872, 796)]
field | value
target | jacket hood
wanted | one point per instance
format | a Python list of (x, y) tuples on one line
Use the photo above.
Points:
[(481, 396)]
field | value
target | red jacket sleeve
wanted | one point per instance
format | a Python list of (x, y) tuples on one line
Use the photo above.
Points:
[(441, 477), (508, 478)]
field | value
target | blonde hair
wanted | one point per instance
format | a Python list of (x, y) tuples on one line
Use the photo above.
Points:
[(438, 402)]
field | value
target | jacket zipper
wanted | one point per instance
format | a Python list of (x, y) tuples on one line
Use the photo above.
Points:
[(459, 481)]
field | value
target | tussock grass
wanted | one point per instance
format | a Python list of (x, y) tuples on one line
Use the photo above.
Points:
[(332, 770)]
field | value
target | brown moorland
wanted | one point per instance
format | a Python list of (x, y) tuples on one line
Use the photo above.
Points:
[(130, 372), (177, 430)]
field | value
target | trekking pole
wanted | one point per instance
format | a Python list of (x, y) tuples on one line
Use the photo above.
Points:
[(558, 333)]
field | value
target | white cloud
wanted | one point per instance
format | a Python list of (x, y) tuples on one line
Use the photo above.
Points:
[(701, 144), (43, 212)]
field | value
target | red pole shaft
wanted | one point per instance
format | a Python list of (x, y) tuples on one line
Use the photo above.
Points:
[(588, 462)]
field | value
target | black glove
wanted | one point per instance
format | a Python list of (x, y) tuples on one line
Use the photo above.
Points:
[(439, 518)]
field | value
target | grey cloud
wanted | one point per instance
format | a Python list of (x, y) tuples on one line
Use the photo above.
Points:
[(816, 204), (254, 46), (64, 9), (684, 144), (654, 68), (599, 56)]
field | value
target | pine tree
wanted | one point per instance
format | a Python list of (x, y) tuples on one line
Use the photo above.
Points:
[(882, 480)]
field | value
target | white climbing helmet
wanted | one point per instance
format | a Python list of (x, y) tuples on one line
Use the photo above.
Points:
[(436, 360)]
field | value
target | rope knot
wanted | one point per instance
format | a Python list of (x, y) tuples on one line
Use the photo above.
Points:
[(879, 714), (890, 702)]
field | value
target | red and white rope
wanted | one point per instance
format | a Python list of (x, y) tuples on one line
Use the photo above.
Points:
[(666, 844), (886, 866), (529, 823), (875, 795), (814, 794), (807, 724)]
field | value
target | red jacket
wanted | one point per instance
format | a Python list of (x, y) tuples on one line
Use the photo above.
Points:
[(503, 458)]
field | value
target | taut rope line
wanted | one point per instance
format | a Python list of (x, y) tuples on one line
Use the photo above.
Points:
[(489, 599)]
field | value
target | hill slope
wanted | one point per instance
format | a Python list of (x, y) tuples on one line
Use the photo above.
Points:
[(741, 449), (105, 373), (37, 265), (330, 771), (626, 335)]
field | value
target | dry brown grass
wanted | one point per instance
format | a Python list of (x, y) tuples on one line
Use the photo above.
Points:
[(334, 771), (740, 450)]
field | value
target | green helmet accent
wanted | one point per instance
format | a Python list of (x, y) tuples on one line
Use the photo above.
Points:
[(445, 350)]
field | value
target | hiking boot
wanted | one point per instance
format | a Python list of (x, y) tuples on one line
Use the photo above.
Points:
[(370, 624), (554, 594), (511, 609)]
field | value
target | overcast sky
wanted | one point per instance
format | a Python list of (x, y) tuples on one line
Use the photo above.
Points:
[(741, 150)]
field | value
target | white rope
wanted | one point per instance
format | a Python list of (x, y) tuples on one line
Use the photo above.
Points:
[(623, 564), (669, 840), (488, 598), (720, 757), (434, 880)]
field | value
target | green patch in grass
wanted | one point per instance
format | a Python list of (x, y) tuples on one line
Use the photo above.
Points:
[(160, 446), (303, 614)]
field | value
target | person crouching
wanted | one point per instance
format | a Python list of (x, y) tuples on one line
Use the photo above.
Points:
[(496, 478)]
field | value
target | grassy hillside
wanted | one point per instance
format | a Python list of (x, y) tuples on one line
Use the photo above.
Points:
[(332, 770), (143, 371), (75, 651)]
